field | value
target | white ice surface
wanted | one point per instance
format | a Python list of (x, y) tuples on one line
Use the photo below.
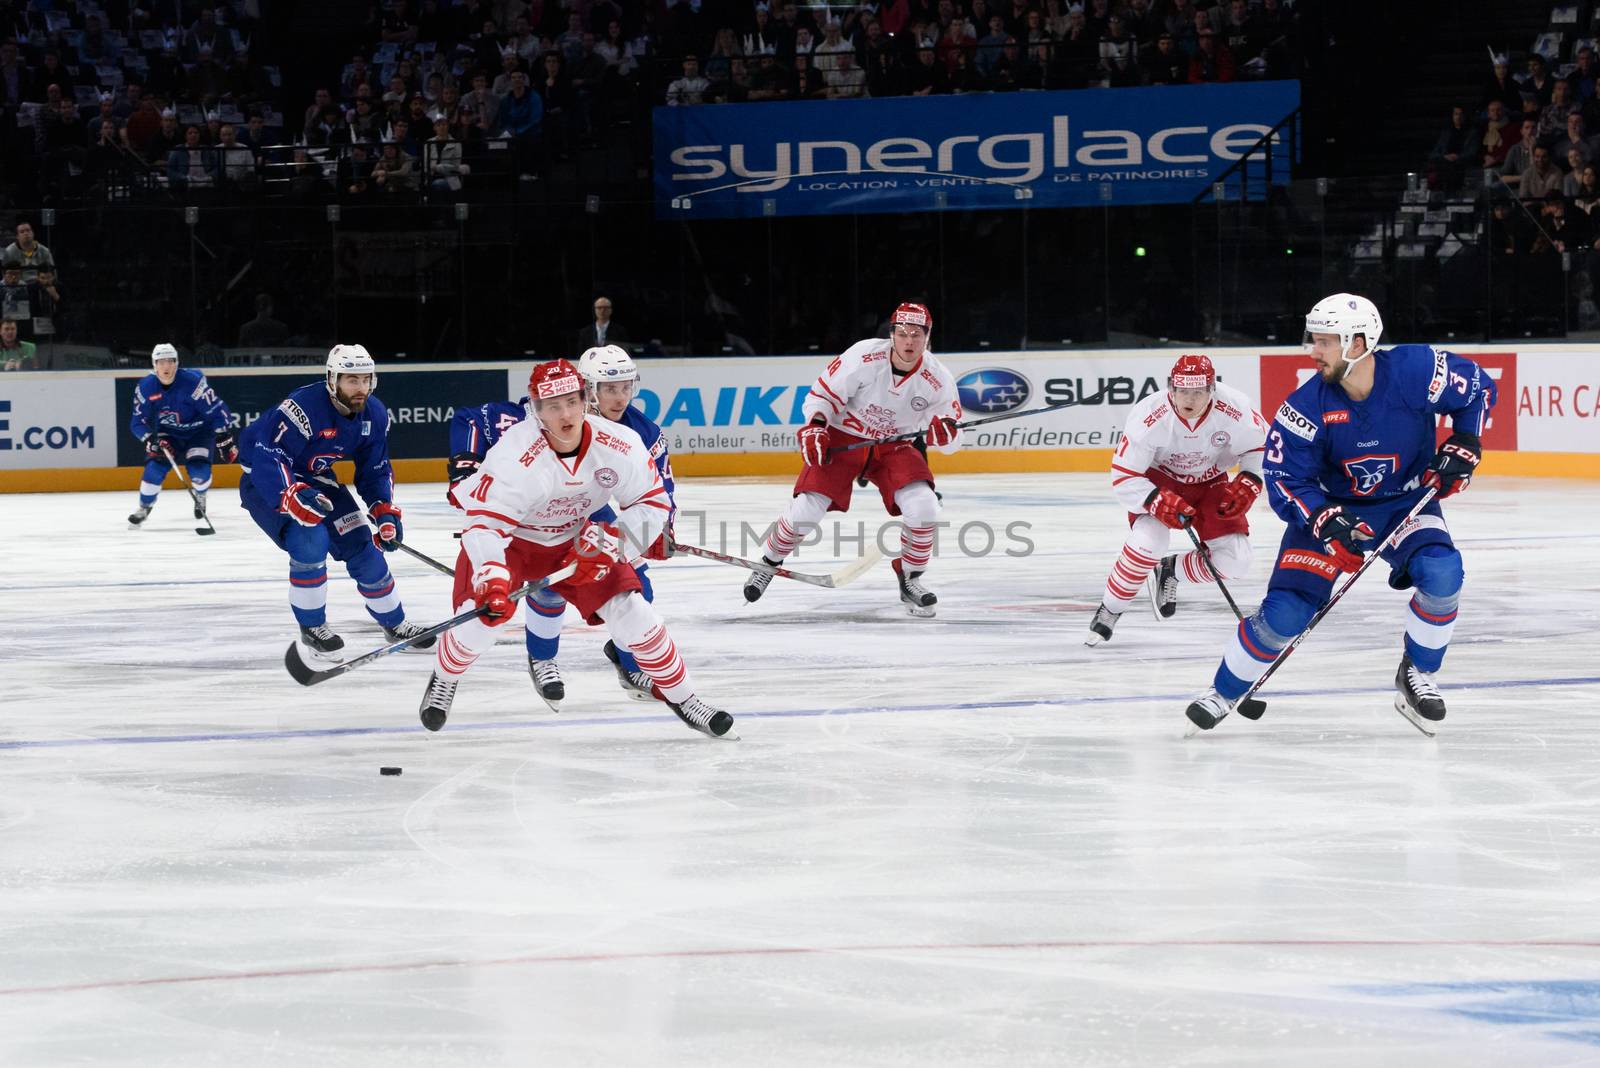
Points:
[(968, 840)]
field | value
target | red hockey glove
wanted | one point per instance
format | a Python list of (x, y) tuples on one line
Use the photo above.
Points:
[(942, 431), (1342, 537), (305, 505), (597, 549), (814, 444), (386, 519), (661, 548), (156, 445), (491, 588), (1171, 509), (1239, 495), (1452, 466)]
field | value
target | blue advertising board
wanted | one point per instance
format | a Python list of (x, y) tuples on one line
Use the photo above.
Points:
[(1161, 144)]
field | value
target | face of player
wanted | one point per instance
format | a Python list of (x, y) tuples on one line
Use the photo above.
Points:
[(353, 391), (1331, 365), (612, 399), (1190, 403), (910, 342), (562, 419), (166, 371)]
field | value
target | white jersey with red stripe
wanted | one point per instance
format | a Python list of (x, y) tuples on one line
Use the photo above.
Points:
[(1156, 437), (858, 392), (525, 490)]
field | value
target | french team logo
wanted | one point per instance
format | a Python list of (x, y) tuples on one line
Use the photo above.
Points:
[(993, 390), (1368, 472)]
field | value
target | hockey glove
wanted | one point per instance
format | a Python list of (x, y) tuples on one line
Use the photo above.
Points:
[(156, 445), (596, 551), (814, 443), (1342, 536), (661, 548), (463, 465), (1454, 463), (227, 446), (1239, 495), (942, 431), (491, 589), (387, 533), (1171, 509), (305, 505)]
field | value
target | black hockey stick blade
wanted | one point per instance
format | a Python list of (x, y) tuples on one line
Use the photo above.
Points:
[(1251, 708), (203, 531)]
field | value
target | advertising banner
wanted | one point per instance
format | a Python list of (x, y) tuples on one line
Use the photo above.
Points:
[(43, 424), (1557, 402), (1155, 145)]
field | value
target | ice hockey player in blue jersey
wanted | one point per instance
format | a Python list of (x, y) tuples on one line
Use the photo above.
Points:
[(290, 490), (611, 381), (1348, 455), (175, 410)]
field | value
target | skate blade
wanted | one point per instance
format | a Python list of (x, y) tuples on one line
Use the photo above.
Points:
[(554, 706), (922, 611), (1411, 717), (637, 695), (312, 655), (1093, 640)]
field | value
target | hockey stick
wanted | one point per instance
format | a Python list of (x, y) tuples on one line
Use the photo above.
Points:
[(443, 569), (970, 423), (842, 577), (1371, 558), (208, 528), (306, 675), (1205, 555)]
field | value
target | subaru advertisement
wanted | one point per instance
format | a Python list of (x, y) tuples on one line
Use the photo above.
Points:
[(1161, 144)]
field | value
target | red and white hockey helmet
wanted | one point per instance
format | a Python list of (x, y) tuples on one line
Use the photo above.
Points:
[(1193, 372), (554, 379), (913, 315)]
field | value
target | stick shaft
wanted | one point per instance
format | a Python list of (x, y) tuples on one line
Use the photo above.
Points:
[(442, 568), (1205, 554), (968, 424), (173, 463)]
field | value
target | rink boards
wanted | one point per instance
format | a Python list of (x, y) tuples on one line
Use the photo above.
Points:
[(67, 431)]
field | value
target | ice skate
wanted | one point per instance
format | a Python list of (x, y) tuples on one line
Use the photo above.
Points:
[(321, 640), (705, 718), (199, 505), (1162, 585), (139, 515), (757, 583), (1209, 709), (918, 599), (436, 701), (1416, 697), (1100, 627), (547, 682), (635, 684), (407, 629)]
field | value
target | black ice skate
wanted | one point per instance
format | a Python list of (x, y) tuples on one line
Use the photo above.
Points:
[(139, 515), (757, 583), (1101, 626), (918, 599), (635, 684), (547, 682), (705, 718), (408, 629), (436, 700), (321, 640), (1162, 585), (1416, 697), (199, 505), (1209, 709)]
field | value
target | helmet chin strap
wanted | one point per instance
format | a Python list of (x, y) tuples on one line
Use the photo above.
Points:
[(1345, 355)]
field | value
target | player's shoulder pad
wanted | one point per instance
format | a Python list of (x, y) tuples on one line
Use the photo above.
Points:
[(295, 415), (1148, 412), (867, 350), (1233, 403), (1301, 412), (147, 385), (647, 429), (934, 369)]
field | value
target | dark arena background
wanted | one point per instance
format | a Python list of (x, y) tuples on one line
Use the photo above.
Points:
[(872, 697)]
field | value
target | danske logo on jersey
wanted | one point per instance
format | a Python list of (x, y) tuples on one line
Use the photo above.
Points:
[(993, 390)]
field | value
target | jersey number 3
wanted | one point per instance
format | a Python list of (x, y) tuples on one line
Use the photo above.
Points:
[(480, 492), (1275, 453)]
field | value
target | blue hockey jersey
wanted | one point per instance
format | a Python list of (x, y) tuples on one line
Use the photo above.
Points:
[(302, 438), (1326, 448), (185, 410)]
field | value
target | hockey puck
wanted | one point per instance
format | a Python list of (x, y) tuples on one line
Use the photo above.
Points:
[(388, 771)]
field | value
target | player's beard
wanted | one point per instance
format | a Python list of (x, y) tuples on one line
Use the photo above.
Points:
[(1333, 375), (353, 405)]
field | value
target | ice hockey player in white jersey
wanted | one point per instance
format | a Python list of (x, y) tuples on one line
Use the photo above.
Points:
[(1170, 469), (527, 515), (878, 388)]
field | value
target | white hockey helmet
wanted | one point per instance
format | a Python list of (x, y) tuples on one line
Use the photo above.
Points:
[(164, 351), (1347, 315), (606, 363), (350, 360)]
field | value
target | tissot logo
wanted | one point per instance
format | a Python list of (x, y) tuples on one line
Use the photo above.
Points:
[(992, 390)]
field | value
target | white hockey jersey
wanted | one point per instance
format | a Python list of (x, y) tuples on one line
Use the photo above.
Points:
[(859, 392), (1230, 431), (524, 490)]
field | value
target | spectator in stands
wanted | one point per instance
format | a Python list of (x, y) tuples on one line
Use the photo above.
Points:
[(958, 39), (96, 47), (770, 81), (212, 134), (1575, 139), (1164, 64), (964, 78), (720, 60), (588, 78), (1581, 82), (128, 102), (603, 331), (1241, 31), (263, 332), (237, 162), (1496, 136), (319, 100), (884, 76), (570, 43), (1553, 116), (168, 77), (143, 126), (1575, 166), (618, 52), (691, 87), (355, 174), (1561, 230), (1539, 82), (166, 138), (1119, 55), (65, 146), (15, 79), (394, 174), (208, 79), (555, 93), (1520, 156), (205, 34), (1179, 19), (254, 135), (442, 163), (1457, 144), (31, 261), (365, 123), (990, 45), (845, 81), (16, 354), (360, 74), (785, 31), (192, 166), (736, 90), (760, 40), (927, 76), (1501, 86), (1587, 198), (107, 119), (1213, 62), (1079, 51), (395, 26), (1541, 178), (522, 116)]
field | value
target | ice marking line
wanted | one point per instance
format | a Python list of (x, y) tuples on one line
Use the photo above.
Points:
[(792, 713), (804, 951)]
